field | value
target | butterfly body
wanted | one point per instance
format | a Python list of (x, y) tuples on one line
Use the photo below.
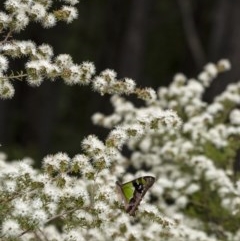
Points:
[(132, 192)]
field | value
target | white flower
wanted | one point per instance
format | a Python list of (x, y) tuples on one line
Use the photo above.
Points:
[(83, 215), (64, 61), (164, 182), (205, 78), (158, 190), (39, 216), (162, 93), (26, 47), (223, 191), (180, 183), (98, 118), (20, 21), (179, 78), (35, 65), (235, 117), (52, 208), (6, 90), (186, 146), (101, 161), (192, 188), (73, 235), (37, 11), (144, 207), (88, 171), (102, 208), (117, 137), (25, 168), (109, 75), (10, 228), (80, 161), (3, 63), (73, 77), (4, 19), (13, 5), (149, 95), (171, 119), (135, 130), (49, 160), (86, 70), (122, 219), (92, 144), (181, 202), (226, 202), (21, 207), (35, 81), (145, 144), (129, 85), (79, 191), (49, 20), (211, 69), (72, 2), (121, 105), (106, 191), (215, 108), (37, 203), (195, 87), (100, 85), (45, 50), (72, 13), (88, 67), (53, 192), (10, 186), (224, 65)]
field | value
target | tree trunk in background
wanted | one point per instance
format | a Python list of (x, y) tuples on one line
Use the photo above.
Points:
[(191, 33), (220, 29), (3, 109), (225, 43), (112, 34), (133, 47)]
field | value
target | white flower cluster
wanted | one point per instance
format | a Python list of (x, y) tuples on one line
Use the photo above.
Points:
[(19, 13), (85, 207), (187, 160), (80, 190), (197, 193), (42, 64), (106, 82)]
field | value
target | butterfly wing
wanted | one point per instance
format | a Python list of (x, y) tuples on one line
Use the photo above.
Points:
[(132, 192), (126, 191)]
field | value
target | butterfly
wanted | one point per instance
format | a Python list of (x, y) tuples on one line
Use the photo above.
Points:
[(132, 192)]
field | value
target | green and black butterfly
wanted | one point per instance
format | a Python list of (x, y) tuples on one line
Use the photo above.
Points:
[(132, 192)]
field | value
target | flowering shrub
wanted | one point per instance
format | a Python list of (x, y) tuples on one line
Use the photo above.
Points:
[(188, 145)]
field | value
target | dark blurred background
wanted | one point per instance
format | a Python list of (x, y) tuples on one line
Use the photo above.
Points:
[(147, 40)]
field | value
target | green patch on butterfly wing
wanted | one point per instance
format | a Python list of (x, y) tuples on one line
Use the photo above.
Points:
[(128, 190)]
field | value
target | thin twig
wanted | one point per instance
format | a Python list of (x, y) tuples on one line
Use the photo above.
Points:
[(43, 234), (6, 38), (17, 76), (61, 214)]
